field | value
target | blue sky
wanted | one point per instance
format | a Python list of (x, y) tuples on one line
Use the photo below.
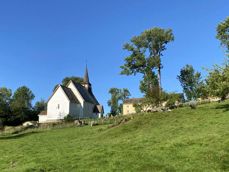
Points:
[(43, 41)]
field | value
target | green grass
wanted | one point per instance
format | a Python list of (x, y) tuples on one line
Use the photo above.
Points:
[(181, 140)]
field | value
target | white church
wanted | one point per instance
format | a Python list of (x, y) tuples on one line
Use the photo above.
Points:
[(74, 99)]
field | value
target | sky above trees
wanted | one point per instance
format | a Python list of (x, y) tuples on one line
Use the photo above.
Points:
[(41, 42)]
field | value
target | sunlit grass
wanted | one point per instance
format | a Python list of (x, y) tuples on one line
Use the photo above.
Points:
[(181, 140)]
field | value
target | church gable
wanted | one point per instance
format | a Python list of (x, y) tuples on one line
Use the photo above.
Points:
[(58, 104)]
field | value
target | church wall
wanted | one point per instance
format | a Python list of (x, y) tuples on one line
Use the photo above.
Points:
[(58, 105), (88, 110), (42, 118), (76, 110)]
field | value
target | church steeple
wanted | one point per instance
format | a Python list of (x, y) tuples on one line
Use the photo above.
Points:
[(86, 82), (86, 77)]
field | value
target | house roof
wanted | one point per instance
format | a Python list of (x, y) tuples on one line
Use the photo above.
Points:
[(88, 97), (44, 112), (133, 100), (100, 108), (71, 96), (68, 92)]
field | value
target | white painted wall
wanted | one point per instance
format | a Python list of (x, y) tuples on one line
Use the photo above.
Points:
[(87, 108), (58, 105), (42, 118)]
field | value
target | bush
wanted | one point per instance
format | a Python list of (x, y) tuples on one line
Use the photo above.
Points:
[(68, 118), (1, 125), (173, 100)]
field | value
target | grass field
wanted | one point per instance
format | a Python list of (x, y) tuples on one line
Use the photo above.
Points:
[(181, 140)]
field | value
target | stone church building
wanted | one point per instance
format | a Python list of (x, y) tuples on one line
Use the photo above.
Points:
[(74, 99)]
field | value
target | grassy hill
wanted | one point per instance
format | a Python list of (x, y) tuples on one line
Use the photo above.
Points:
[(181, 140)]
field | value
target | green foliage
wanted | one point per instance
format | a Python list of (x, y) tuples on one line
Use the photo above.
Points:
[(174, 98), (22, 98), (190, 82), (117, 95), (5, 97), (40, 106), (138, 107), (76, 79), (21, 106), (145, 57), (218, 81), (66, 80), (180, 140), (150, 87), (223, 33), (69, 118)]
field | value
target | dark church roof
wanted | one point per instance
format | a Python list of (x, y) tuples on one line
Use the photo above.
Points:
[(98, 109), (86, 95), (70, 94)]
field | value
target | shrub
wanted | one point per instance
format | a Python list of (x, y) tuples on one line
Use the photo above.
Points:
[(68, 118), (173, 100), (1, 125)]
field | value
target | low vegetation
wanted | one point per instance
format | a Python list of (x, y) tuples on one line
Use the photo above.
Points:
[(181, 140)]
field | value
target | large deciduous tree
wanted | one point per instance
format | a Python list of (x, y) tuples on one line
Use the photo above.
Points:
[(223, 33), (146, 51), (190, 82), (218, 81), (67, 79)]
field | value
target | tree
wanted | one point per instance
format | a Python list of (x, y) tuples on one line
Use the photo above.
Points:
[(125, 94), (190, 81), (218, 81), (146, 52), (73, 78), (117, 95), (5, 98), (149, 86), (21, 105), (113, 102), (223, 33), (66, 80), (40, 106)]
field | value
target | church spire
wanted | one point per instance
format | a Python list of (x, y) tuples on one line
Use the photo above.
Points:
[(86, 77), (86, 82)]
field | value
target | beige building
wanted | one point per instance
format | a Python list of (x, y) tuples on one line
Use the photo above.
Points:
[(128, 105)]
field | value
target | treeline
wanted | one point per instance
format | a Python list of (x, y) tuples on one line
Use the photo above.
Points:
[(216, 84), (16, 108), (145, 53)]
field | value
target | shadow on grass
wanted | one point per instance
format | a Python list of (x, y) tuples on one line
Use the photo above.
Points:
[(19, 135), (224, 107)]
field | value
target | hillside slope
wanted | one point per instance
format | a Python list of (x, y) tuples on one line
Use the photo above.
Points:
[(181, 140)]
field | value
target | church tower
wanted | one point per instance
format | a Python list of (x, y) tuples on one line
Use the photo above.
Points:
[(86, 82)]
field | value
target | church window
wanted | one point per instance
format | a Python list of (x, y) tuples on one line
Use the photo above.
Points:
[(58, 106)]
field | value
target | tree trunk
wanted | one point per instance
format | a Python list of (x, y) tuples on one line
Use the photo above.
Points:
[(159, 81)]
